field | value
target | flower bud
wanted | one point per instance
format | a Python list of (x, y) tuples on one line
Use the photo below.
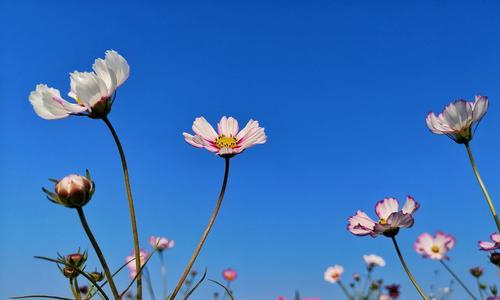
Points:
[(70, 272), (72, 191), (76, 259), (194, 273), (476, 272), (97, 276), (495, 258), (84, 289)]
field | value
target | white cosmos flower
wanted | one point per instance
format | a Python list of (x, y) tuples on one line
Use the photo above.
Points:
[(91, 90), (95, 89), (373, 260), (459, 119), (48, 103), (332, 274), (228, 140)]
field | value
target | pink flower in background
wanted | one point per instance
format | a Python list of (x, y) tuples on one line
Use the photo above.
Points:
[(434, 247), (131, 265), (458, 119), (161, 243), (491, 246), (373, 260), (332, 274), (228, 140), (229, 275), (281, 298), (390, 218), (384, 297)]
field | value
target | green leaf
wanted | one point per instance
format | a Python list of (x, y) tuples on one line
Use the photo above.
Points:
[(228, 291), (196, 285)]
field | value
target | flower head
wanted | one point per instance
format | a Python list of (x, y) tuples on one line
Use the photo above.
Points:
[(373, 260), (72, 191), (491, 246), (131, 264), (393, 290), (332, 274), (228, 140), (73, 264), (476, 272), (391, 219), (92, 91), (459, 119), (161, 243), (229, 275), (434, 247)]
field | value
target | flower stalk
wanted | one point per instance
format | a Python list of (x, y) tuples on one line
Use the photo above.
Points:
[(130, 203), (483, 187), (99, 253), (410, 276), (205, 234), (445, 265), (344, 289), (163, 270)]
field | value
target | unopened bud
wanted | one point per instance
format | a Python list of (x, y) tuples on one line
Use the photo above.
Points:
[(72, 191), (97, 276), (70, 272), (495, 258), (476, 272)]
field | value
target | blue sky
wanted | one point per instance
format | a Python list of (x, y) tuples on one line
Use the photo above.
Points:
[(342, 89)]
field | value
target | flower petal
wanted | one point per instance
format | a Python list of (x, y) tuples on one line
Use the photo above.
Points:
[(410, 206), (384, 208), (361, 224), (48, 104)]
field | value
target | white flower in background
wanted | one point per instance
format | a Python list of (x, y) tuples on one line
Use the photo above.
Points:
[(48, 103), (92, 91), (373, 260), (459, 119), (332, 274), (229, 140)]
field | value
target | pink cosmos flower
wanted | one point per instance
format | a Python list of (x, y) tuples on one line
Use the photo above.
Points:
[(281, 298), (390, 218), (161, 243), (434, 247), (131, 265), (491, 246), (373, 260), (332, 274), (229, 274), (384, 297), (459, 119), (228, 140)]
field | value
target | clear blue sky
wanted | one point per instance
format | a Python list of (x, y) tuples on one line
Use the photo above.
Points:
[(341, 88)]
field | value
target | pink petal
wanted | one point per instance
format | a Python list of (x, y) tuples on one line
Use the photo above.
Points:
[(386, 207)]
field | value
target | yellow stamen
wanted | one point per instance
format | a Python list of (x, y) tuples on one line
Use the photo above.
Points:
[(382, 221), (435, 249), (226, 142)]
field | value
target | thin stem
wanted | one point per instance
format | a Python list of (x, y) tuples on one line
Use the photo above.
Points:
[(98, 251), (148, 282), (346, 292), (72, 286), (483, 187), (479, 288), (130, 204), (77, 289), (163, 270), (205, 234), (445, 265), (412, 279)]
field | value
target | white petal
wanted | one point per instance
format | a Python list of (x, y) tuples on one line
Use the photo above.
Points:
[(410, 206), (118, 65), (202, 128), (89, 88), (48, 104), (386, 207), (480, 107)]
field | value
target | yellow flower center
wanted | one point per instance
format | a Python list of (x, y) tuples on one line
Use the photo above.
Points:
[(382, 221), (226, 142), (435, 249)]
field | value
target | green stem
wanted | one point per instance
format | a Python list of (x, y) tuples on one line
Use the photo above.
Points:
[(130, 204), (410, 276), (457, 279), (483, 187), (346, 292), (479, 288), (163, 270), (148, 282), (99, 253), (72, 286), (205, 234), (77, 289)]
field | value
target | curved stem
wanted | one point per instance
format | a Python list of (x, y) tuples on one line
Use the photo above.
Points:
[(98, 251), (346, 292), (77, 289), (412, 279), (130, 204), (72, 286), (205, 234), (457, 279), (163, 270), (483, 187)]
